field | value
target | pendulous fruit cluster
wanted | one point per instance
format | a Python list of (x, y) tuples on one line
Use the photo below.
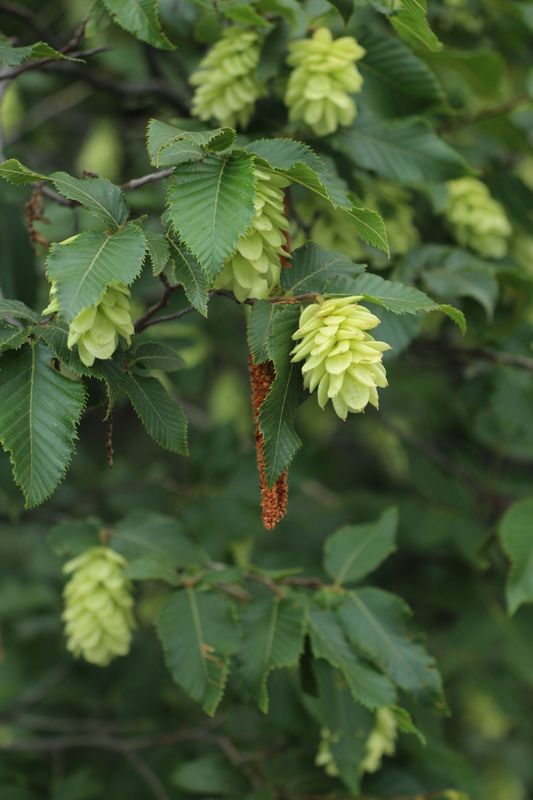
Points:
[(477, 220), (323, 78), (382, 740), (98, 606), (341, 359), (96, 329), (254, 269), (226, 81)]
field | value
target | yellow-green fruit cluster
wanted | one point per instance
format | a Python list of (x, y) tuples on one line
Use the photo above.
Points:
[(323, 78), (226, 81), (254, 269), (98, 606), (96, 329), (382, 740), (477, 219), (341, 359)]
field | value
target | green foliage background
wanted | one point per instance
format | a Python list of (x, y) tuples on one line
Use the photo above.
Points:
[(450, 447)]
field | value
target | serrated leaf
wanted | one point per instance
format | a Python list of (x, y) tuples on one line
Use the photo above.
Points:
[(97, 195), (199, 635), (16, 173), (376, 622), (169, 146), (15, 56), (276, 416), (370, 226), (153, 567), (155, 355), (516, 535), (412, 25), (12, 337), (86, 264), (344, 7), (162, 417), (259, 329), (314, 270), (74, 537), (39, 413), (158, 251), (396, 81), (273, 629), (329, 642), (408, 151), (14, 309), (210, 206), (140, 18), (145, 533), (355, 550), (188, 272)]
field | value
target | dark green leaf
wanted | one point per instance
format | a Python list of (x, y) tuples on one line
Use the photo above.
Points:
[(314, 270), (170, 146), (161, 415), (356, 550), (140, 18), (188, 272), (515, 532), (99, 196)]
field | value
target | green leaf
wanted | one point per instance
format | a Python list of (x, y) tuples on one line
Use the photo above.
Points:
[(259, 329), (408, 150), (199, 634), (141, 19), (16, 173), (211, 775), (12, 337), (329, 642), (162, 417), (188, 272), (14, 309), (273, 629), (349, 724), (158, 251), (169, 146), (515, 532), (211, 206), (396, 81), (314, 270), (146, 533), (153, 567), (356, 550), (98, 195), (155, 355), (375, 621), (276, 417), (245, 15), (86, 264), (412, 25), (370, 226), (344, 7), (74, 537), (39, 412), (15, 56)]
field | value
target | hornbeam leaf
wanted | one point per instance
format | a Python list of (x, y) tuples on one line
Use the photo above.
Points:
[(515, 535), (188, 272), (170, 146), (158, 250), (355, 550), (314, 270), (16, 173), (375, 621), (329, 642), (39, 412), (162, 417), (199, 634), (98, 195), (260, 327), (140, 18), (14, 56), (210, 206), (276, 416), (412, 25), (12, 337), (17, 310), (86, 264), (273, 630)]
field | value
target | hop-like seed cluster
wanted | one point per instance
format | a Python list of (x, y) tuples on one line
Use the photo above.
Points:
[(323, 78), (254, 269), (342, 360), (477, 219), (96, 329), (98, 606), (382, 740), (226, 80)]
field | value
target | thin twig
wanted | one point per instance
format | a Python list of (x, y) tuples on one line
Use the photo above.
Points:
[(146, 320), (152, 177), (507, 107)]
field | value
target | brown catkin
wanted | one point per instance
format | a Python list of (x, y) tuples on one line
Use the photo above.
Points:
[(34, 211), (273, 499)]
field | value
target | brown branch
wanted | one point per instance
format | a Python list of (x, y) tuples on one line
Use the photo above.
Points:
[(152, 177), (498, 357), (146, 320)]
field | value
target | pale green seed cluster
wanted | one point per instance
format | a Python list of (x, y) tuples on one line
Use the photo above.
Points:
[(322, 81), (254, 269), (477, 220), (98, 606), (96, 329), (382, 740), (226, 81), (341, 359)]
